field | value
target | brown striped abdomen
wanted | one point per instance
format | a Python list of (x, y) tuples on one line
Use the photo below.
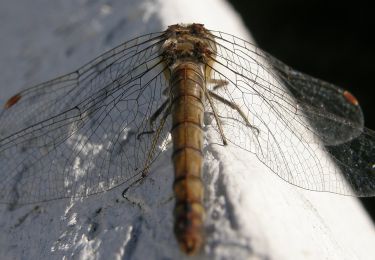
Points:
[(187, 116)]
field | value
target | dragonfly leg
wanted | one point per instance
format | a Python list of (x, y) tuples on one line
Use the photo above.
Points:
[(153, 145), (158, 111), (217, 119), (235, 107), (125, 191), (150, 155), (154, 116), (145, 133), (218, 83)]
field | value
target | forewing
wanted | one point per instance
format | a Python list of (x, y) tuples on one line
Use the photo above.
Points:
[(332, 111), (85, 132), (292, 127)]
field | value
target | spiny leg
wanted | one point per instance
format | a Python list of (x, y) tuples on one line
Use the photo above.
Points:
[(224, 139), (235, 107), (150, 155), (222, 83), (156, 114), (153, 144), (218, 83), (152, 119)]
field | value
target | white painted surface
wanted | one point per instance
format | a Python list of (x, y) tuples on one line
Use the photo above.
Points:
[(251, 213)]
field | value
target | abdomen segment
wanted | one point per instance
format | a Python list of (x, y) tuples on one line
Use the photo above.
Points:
[(187, 116)]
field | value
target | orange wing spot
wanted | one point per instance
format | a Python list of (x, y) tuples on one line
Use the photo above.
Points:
[(350, 98), (13, 100)]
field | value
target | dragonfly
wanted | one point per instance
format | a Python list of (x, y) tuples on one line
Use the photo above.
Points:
[(106, 123)]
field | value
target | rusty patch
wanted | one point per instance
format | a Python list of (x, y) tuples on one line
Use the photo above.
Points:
[(13, 100), (350, 98)]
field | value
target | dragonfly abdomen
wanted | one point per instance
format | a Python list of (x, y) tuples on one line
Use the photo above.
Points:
[(187, 112)]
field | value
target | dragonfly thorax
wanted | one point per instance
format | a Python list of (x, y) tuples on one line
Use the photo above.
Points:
[(191, 43)]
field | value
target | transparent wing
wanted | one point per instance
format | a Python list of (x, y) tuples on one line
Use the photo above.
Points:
[(333, 112), (293, 117), (89, 131), (85, 132)]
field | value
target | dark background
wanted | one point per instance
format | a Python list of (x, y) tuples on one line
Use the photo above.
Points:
[(329, 40)]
